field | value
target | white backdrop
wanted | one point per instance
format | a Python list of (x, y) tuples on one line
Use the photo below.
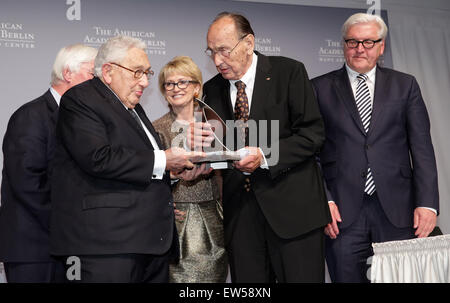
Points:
[(420, 42)]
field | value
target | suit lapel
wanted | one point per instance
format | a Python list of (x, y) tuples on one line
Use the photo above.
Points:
[(119, 108), (261, 87), (149, 125), (226, 99), (345, 94), (380, 96)]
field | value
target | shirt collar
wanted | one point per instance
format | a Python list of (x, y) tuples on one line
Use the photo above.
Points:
[(249, 76), (353, 74), (55, 95)]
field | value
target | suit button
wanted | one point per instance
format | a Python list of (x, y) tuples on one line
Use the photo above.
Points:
[(247, 184), (367, 146)]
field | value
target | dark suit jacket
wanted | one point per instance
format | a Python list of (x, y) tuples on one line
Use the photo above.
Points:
[(28, 147), (104, 200), (398, 146), (290, 193)]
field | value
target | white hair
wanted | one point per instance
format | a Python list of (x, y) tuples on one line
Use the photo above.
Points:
[(115, 50), (71, 57), (365, 18)]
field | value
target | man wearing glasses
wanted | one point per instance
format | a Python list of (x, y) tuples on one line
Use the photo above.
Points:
[(113, 206), (378, 160), (274, 214)]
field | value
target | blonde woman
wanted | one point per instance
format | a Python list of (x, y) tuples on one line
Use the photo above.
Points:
[(198, 209)]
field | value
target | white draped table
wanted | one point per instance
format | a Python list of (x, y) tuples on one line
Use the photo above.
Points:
[(424, 260), (2, 274)]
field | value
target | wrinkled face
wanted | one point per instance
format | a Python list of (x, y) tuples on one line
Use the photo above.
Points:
[(361, 59), (223, 36), (85, 73), (179, 98), (122, 81)]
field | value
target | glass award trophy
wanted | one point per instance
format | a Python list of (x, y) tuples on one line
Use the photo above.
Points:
[(218, 154)]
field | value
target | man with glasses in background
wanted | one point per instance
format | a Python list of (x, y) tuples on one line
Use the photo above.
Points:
[(378, 159), (28, 148), (274, 213), (113, 207)]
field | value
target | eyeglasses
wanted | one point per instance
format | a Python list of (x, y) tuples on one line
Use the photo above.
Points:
[(137, 73), (182, 84), (221, 51), (367, 44)]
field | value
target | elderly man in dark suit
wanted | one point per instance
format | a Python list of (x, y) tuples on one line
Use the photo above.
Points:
[(113, 205), (28, 148), (274, 211), (378, 159)]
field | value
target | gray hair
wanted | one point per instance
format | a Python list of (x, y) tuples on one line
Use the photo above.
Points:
[(71, 57), (242, 24), (365, 18), (115, 50)]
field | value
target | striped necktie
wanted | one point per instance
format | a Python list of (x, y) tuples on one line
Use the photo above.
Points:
[(364, 105)]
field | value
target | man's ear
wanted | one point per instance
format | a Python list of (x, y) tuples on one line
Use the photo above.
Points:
[(67, 75), (106, 73), (250, 42), (382, 47)]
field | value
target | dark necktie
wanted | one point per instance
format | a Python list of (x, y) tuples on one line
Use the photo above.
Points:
[(364, 105), (241, 111), (136, 118), (157, 144)]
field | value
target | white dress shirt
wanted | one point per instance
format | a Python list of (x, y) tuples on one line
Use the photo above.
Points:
[(249, 81), (159, 167), (55, 95), (370, 81)]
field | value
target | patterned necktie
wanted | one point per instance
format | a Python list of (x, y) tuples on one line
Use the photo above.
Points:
[(241, 110), (364, 105)]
